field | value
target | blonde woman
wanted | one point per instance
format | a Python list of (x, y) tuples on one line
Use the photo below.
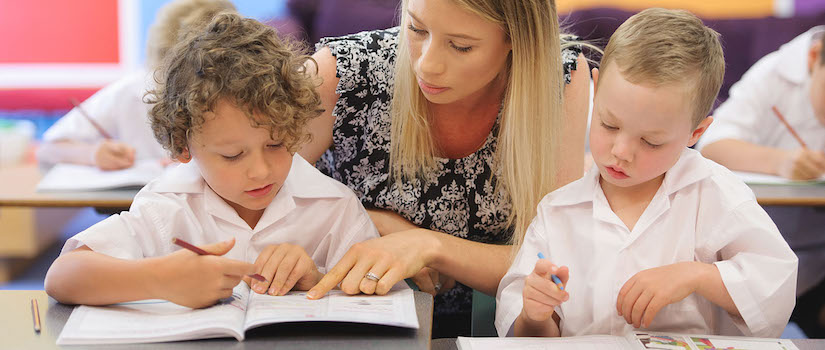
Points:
[(450, 129)]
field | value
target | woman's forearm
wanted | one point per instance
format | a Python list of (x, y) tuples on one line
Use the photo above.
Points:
[(477, 265)]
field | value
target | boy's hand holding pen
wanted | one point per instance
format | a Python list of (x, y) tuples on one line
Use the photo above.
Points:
[(196, 280), (804, 163), (544, 289)]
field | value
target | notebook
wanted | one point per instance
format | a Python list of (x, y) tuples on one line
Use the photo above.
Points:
[(74, 177), (632, 341), (150, 321)]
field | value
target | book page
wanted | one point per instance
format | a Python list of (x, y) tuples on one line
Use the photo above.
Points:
[(148, 321), (765, 179), (670, 341), (74, 177), (589, 342), (397, 308)]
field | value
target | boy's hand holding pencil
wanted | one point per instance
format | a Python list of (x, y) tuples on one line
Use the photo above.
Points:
[(191, 279), (542, 292)]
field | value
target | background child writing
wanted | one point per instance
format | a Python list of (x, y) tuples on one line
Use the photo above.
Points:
[(653, 236), (232, 104), (119, 108), (748, 136)]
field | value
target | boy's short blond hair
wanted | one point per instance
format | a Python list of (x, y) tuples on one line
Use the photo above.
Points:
[(176, 18), (662, 47), (241, 61)]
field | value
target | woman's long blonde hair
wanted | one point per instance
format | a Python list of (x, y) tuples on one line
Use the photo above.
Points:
[(525, 164)]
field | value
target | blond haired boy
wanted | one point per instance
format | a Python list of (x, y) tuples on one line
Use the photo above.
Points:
[(654, 236), (232, 105)]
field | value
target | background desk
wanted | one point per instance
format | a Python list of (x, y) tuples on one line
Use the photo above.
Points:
[(30, 222), (799, 195), (802, 344), (18, 184), (16, 331)]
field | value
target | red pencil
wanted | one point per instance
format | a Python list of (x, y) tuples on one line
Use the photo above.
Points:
[(793, 132), (92, 121), (187, 245)]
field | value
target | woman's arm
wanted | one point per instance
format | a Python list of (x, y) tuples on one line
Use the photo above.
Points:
[(321, 127), (570, 163), (400, 255)]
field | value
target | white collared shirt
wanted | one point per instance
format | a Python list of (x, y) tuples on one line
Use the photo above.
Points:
[(779, 79), (119, 109), (701, 212), (310, 210)]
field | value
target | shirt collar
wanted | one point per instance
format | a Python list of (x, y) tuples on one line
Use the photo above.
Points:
[(302, 182), (689, 169), (793, 56)]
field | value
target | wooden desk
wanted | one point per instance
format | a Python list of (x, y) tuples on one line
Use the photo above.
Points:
[(17, 332), (798, 195), (18, 183), (30, 222), (802, 344)]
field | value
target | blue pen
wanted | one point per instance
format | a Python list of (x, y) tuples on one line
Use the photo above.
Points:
[(555, 278)]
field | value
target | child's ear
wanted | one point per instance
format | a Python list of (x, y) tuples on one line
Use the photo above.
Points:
[(184, 156), (595, 74), (700, 129), (813, 55)]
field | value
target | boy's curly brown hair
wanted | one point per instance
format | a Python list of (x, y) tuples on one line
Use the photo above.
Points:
[(244, 62)]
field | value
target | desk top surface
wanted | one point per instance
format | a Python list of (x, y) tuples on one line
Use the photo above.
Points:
[(18, 183), (17, 332)]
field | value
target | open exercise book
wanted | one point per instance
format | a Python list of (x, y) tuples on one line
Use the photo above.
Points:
[(632, 341), (152, 321), (74, 177)]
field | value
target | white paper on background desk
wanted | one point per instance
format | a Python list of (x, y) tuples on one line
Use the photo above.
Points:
[(149, 321), (74, 177), (765, 179)]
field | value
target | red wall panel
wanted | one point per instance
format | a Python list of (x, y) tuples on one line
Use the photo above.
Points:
[(58, 31)]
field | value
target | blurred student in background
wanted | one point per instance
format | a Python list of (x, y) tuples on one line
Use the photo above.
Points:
[(110, 130)]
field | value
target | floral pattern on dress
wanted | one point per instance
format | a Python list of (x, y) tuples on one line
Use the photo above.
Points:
[(458, 198)]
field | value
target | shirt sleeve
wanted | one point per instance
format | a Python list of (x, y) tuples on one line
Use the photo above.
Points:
[(509, 297), (354, 226), (744, 114), (103, 107), (757, 267), (134, 234)]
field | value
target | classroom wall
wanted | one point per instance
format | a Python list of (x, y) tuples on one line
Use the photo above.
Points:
[(54, 49)]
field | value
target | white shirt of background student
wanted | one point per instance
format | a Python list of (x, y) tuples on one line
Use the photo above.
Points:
[(702, 212), (119, 109), (748, 136)]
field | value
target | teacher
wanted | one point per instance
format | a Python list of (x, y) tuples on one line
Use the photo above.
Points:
[(450, 129)]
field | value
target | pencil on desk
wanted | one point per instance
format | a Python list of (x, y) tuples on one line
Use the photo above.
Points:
[(92, 121), (36, 316), (793, 132), (184, 244)]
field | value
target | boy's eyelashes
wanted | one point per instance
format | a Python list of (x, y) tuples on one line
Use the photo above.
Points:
[(238, 156), (646, 142)]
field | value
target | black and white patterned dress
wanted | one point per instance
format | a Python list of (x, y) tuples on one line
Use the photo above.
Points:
[(457, 199)]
